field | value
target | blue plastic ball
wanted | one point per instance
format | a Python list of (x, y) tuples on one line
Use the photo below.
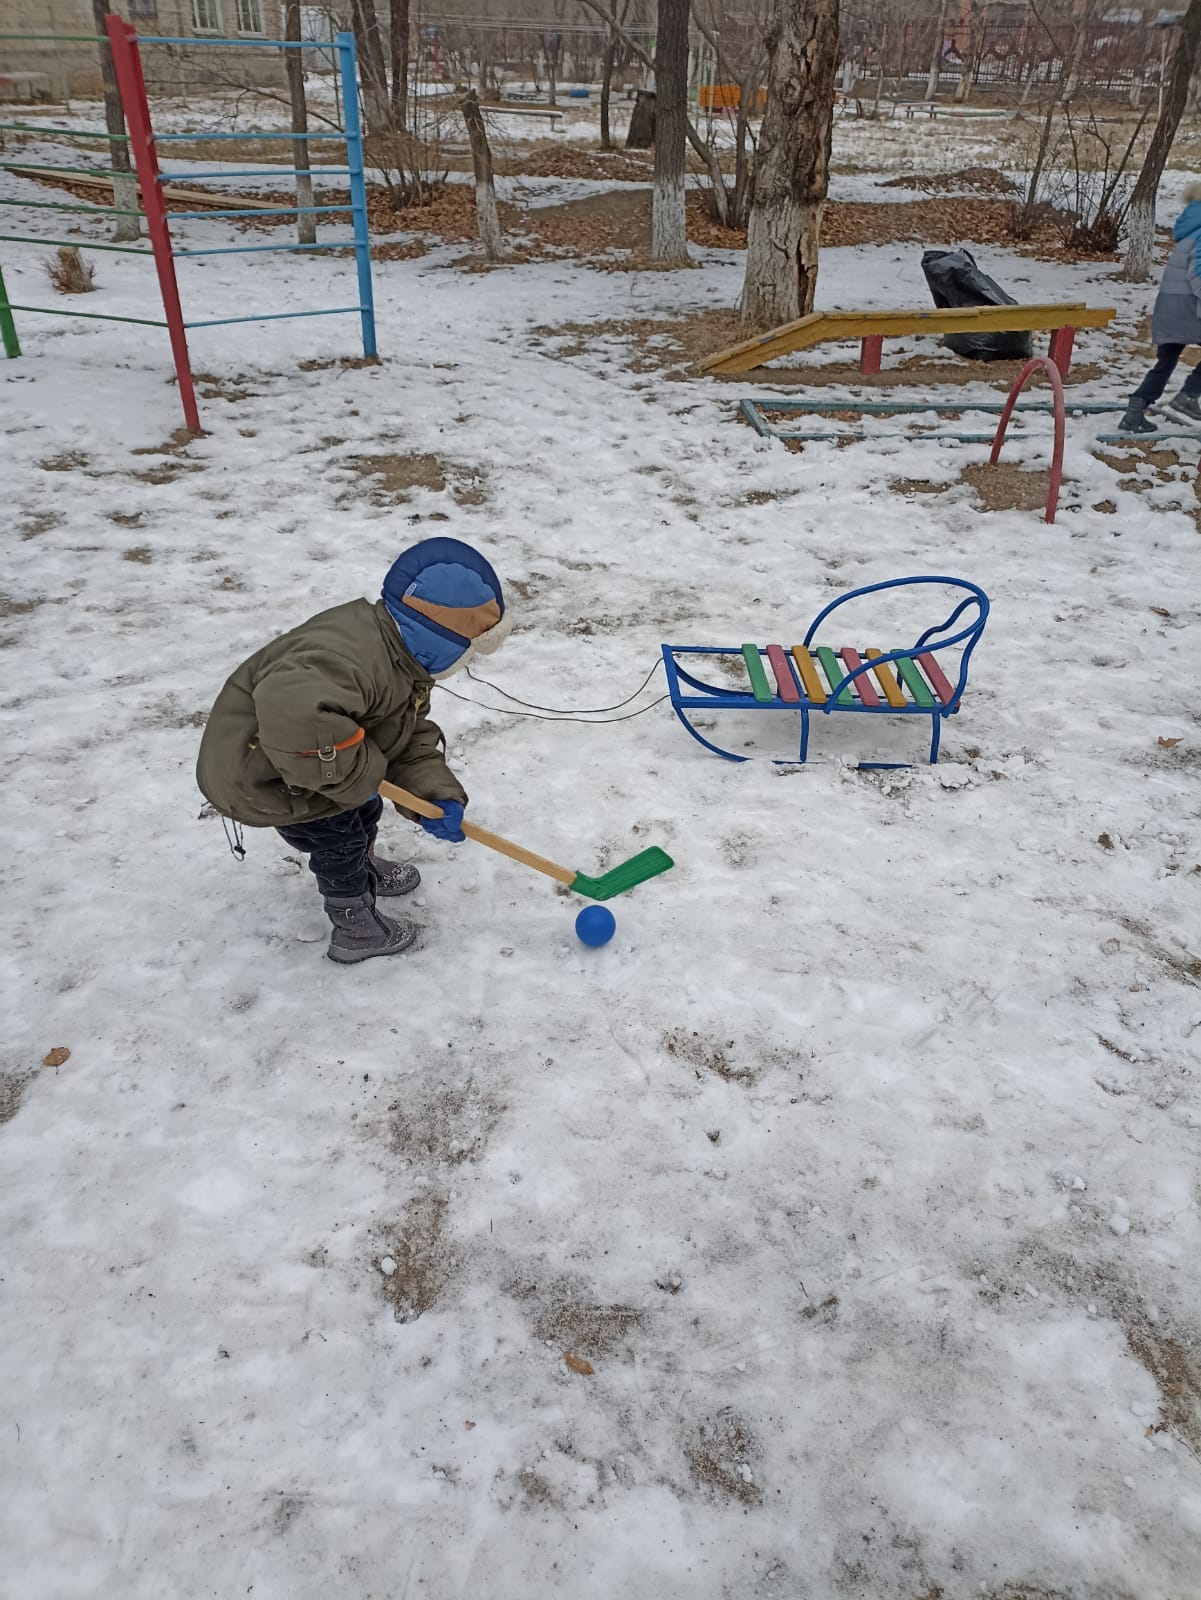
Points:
[(595, 925)]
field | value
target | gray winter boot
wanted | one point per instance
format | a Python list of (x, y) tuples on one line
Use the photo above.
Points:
[(1185, 405), (1135, 420), (392, 877), (360, 932)]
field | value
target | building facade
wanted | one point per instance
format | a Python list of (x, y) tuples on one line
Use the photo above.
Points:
[(72, 70)]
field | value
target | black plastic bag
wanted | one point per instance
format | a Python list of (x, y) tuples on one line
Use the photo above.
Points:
[(955, 280)]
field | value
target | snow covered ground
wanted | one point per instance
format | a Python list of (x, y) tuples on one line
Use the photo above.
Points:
[(861, 1167)]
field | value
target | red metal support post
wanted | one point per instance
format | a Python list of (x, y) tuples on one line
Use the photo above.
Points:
[(1060, 349), (870, 351), (1037, 364), (127, 64)]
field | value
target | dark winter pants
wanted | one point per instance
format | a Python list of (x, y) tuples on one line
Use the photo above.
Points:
[(338, 847), (1156, 381)]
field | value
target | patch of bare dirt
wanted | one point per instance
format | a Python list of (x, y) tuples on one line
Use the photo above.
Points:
[(12, 1086), (707, 1055), (10, 606), (982, 180), (140, 553), (415, 1261), (583, 1327), (68, 461), (1008, 487), (1130, 457), (392, 478), (720, 1452), (40, 522), (918, 486), (563, 161), (450, 1125)]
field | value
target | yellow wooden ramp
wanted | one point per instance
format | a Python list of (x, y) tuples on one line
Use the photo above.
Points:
[(821, 327)]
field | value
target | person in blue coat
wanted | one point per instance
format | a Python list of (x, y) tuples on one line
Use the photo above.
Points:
[(1175, 322)]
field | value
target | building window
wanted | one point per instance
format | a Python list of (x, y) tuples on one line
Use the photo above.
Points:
[(206, 16), (143, 10), (250, 16)]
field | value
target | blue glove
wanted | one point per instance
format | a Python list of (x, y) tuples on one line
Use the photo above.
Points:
[(448, 826)]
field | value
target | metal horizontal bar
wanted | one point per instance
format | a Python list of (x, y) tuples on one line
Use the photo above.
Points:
[(890, 408), (272, 211), (95, 211), (238, 44), (274, 316), (74, 244), (254, 249), (88, 316), (64, 133), (269, 172), (64, 38), (203, 138)]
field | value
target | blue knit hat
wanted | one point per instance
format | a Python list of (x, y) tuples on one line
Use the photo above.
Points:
[(447, 602)]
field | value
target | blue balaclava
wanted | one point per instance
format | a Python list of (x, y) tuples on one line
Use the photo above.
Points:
[(447, 602)]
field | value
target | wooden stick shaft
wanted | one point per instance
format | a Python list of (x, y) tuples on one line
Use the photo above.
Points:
[(504, 847)]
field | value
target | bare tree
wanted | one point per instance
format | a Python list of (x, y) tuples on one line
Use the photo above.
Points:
[(936, 51), (669, 239), (373, 75), (125, 189), (1140, 219), (306, 227), (485, 188), (398, 46), (707, 155), (976, 16), (793, 163), (611, 47)]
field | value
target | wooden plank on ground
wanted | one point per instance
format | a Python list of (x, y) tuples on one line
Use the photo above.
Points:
[(198, 197)]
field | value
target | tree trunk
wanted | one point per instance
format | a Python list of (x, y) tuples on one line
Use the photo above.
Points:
[(968, 67), (1140, 220), (485, 189), (793, 163), (399, 50), (936, 52), (641, 133), (606, 142), (372, 74), (306, 227), (125, 189), (669, 241)]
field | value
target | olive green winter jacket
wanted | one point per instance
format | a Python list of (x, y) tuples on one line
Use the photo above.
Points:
[(309, 725)]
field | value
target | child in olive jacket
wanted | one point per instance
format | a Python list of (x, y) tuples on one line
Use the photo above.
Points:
[(303, 732)]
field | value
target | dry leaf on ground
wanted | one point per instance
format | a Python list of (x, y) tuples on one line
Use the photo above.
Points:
[(578, 1364), (58, 1055)]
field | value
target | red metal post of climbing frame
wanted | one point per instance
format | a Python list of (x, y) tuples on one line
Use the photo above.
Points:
[(1060, 349), (1037, 364), (127, 64), (870, 351)]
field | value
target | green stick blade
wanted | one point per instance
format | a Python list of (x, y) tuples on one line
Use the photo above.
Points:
[(646, 864)]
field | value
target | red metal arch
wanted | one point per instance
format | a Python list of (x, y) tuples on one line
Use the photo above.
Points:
[(1035, 364)]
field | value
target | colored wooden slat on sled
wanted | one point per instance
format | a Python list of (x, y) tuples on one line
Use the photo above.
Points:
[(785, 682), (937, 677), (810, 677), (915, 683), (863, 686), (835, 673), (760, 687), (888, 680)]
